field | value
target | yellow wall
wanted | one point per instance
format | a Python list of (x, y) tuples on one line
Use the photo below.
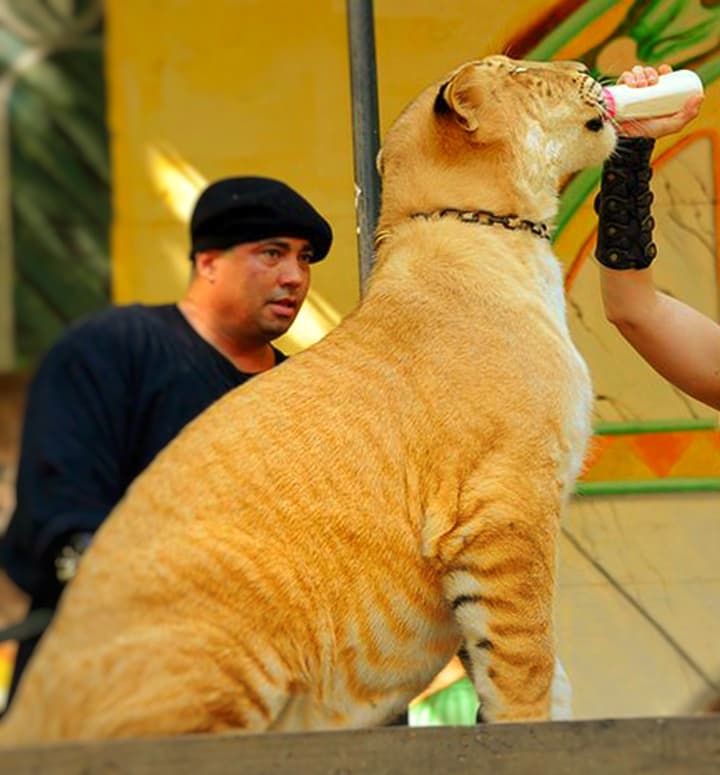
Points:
[(226, 87), (234, 88)]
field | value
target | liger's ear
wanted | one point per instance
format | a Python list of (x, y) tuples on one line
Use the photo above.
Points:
[(461, 97)]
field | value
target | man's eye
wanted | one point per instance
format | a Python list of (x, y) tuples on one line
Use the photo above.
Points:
[(272, 252), (306, 258)]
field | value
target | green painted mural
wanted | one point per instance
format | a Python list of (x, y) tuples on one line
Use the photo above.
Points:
[(610, 36)]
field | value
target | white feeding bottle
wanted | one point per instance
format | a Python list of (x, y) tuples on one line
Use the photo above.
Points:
[(666, 96)]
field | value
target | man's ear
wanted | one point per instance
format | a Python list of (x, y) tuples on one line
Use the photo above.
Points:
[(461, 96), (205, 263)]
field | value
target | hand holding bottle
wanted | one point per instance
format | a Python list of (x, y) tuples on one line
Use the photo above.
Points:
[(640, 77)]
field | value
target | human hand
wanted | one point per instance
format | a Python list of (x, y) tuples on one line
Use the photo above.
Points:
[(639, 77)]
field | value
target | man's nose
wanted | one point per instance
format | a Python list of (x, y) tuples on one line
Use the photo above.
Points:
[(293, 272)]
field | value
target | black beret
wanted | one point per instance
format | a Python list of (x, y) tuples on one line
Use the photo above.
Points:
[(248, 209)]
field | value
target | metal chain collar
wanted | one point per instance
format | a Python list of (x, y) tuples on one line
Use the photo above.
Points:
[(486, 218)]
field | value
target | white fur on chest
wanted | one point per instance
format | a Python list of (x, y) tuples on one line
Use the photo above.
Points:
[(550, 283), (550, 280)]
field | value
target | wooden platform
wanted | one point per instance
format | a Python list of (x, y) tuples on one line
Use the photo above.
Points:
[(677, 746)]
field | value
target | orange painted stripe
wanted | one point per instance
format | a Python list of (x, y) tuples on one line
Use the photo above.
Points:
[(660, 450)]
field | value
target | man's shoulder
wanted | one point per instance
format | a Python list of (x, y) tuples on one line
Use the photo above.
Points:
[(113, 330), (125, 314), (122, 319)]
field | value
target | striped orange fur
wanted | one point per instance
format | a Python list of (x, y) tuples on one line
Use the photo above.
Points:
[(313, 549)]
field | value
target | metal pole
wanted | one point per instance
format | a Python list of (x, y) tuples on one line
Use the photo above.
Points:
[(366, 142)]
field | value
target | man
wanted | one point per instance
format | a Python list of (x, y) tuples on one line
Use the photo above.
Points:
[(679, 342), (117, 387)]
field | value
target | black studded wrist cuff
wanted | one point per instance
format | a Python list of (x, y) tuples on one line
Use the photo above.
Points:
[(625, 225)]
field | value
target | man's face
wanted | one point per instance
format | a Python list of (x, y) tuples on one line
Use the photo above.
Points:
[(260, 286)]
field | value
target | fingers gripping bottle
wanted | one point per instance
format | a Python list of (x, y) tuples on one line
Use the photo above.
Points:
[(666, 96)]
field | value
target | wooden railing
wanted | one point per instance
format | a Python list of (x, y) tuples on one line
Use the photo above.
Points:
[(671, 746)]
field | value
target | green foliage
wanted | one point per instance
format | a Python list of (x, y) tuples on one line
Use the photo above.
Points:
[(60, 196)]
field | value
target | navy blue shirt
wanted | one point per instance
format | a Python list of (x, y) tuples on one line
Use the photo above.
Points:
[(113, 391)]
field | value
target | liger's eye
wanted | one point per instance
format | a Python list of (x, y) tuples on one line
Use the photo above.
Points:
[(595, 124)]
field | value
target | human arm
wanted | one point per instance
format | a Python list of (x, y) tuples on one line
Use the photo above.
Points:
[(69, 475), (679, 342)]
